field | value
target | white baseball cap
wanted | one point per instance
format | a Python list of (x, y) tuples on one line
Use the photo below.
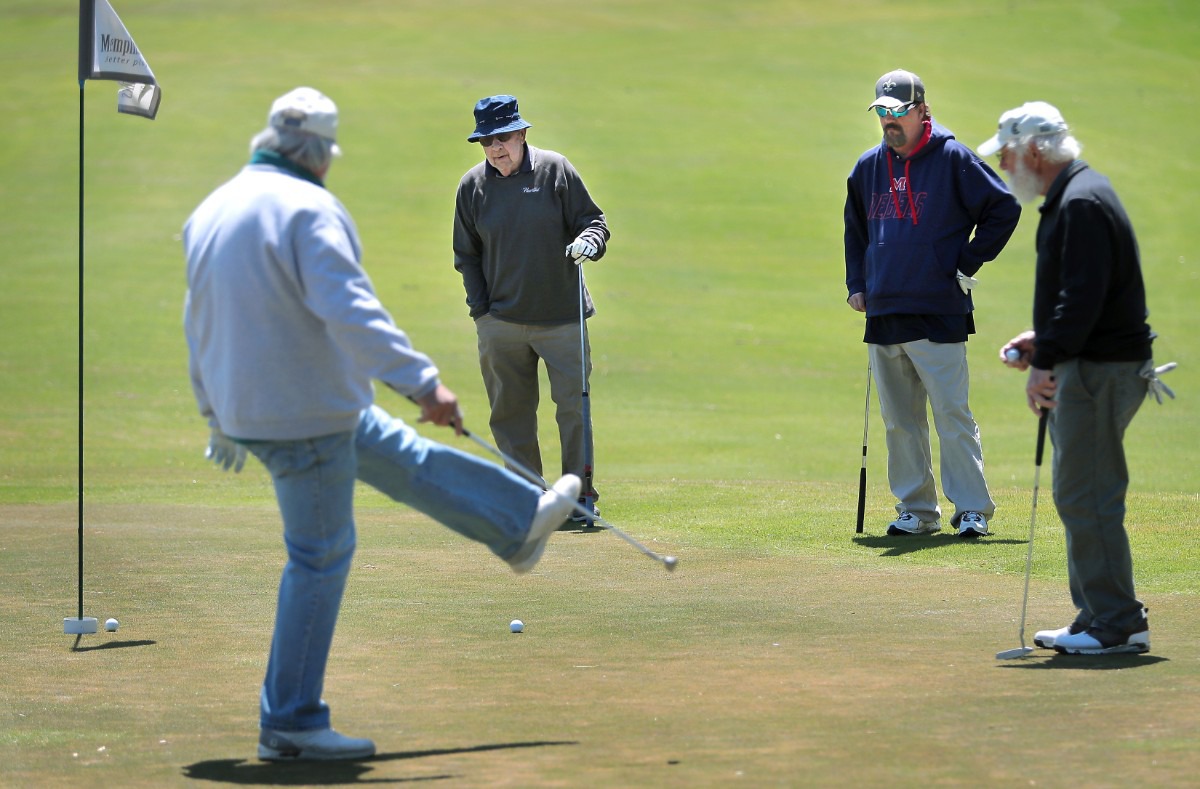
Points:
[(1031, 119), (306, 110)]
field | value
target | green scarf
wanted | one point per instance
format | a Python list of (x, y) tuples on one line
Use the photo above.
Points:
[(284, 163)]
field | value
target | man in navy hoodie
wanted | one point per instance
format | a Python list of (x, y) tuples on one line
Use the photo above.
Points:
[(923, 214)]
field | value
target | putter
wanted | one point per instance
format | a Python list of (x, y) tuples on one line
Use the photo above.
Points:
[(667, 561), (862, 472), (589, 498), (1023, 650)]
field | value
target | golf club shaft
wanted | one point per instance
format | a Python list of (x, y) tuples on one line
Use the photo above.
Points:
[(588, 460), (1037, 473), (862, 472), (535, 479)]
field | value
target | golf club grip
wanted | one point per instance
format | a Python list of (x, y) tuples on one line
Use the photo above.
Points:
[(862, 498), (588, 461), (1041, 441), (862, 472)]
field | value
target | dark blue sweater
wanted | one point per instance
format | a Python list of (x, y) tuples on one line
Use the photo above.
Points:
[(909, 228)]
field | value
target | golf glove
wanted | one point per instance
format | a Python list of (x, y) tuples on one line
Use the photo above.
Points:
[(225, 452), (965, 282), (581, 248), (1157, 388)]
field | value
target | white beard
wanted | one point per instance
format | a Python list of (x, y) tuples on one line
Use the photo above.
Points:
[(1025, 184)]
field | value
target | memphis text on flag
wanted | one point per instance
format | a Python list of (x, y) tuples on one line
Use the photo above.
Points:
[(107, 51)]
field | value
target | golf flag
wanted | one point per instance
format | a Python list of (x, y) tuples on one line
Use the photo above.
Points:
[(107, 51)]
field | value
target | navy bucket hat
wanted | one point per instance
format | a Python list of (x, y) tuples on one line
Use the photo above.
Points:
[(495, 115)]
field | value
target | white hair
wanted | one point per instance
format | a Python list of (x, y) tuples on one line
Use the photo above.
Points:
[(307, 150), (1054, 148)]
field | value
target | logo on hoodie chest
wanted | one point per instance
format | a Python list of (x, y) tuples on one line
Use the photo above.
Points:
[(883, 206)]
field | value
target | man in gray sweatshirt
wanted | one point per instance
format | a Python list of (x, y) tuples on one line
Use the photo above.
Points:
[(285, 334), (514, 214)]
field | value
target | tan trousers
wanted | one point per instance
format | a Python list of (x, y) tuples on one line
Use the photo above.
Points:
[(912, 377), (508, 358)]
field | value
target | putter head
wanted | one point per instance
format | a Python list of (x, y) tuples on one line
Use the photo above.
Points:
[(1013, 654)]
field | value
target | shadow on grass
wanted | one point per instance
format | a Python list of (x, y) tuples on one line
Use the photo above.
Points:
[(241, 771), (112, 645), (898, 546), (1087, 662), (580, 528)]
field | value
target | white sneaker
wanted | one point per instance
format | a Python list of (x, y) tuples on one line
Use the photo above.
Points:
[(972, 524), (1046, 638), (908, 524), (1089, 643), (314, 745), (553, 508)]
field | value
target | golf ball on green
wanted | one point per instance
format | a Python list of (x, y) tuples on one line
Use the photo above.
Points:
[(516, 626), (111, 625)]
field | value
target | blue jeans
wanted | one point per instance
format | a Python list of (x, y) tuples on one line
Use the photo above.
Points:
[(314, 484)]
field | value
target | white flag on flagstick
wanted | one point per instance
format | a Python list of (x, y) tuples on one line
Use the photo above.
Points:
[(107, 51)]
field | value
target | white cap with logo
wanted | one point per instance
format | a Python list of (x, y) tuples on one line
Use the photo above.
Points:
[(1032, 119), (306, 110)]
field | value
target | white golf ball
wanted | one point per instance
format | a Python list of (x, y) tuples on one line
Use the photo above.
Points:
[(516, 626), (1012, 354), (111, 625)]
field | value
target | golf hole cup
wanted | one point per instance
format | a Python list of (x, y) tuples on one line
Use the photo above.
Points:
[(516, 626)]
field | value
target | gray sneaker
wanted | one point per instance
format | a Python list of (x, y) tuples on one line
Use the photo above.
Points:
[(972, 524), (553, 508), (908, 524), (313, 745), (589, 504)]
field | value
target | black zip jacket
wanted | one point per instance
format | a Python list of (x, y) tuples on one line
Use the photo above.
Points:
[(1089, 300)]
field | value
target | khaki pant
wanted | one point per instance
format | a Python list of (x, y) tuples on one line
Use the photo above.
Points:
[(508, 358), (911, 377)]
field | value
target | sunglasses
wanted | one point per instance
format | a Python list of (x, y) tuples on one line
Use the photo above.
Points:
[(486, 142), (899, 112)]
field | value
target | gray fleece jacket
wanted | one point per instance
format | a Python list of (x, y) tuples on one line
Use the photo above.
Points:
[(284, 329)]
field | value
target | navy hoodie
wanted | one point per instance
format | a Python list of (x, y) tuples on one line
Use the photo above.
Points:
[(909, 226)]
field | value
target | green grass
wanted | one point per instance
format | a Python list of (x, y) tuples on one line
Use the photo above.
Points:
[(727, 398)]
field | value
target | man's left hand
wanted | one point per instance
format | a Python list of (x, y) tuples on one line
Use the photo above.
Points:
[(225, 452), (1040, 390), (581, 248)]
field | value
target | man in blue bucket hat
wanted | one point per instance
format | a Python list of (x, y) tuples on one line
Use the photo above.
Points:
[(515, 214)]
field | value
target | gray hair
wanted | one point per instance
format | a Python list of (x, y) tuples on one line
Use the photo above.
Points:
[(1055, 148), (307, 150)]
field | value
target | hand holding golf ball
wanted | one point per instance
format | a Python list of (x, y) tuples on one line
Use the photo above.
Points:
[(1012, 354)]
